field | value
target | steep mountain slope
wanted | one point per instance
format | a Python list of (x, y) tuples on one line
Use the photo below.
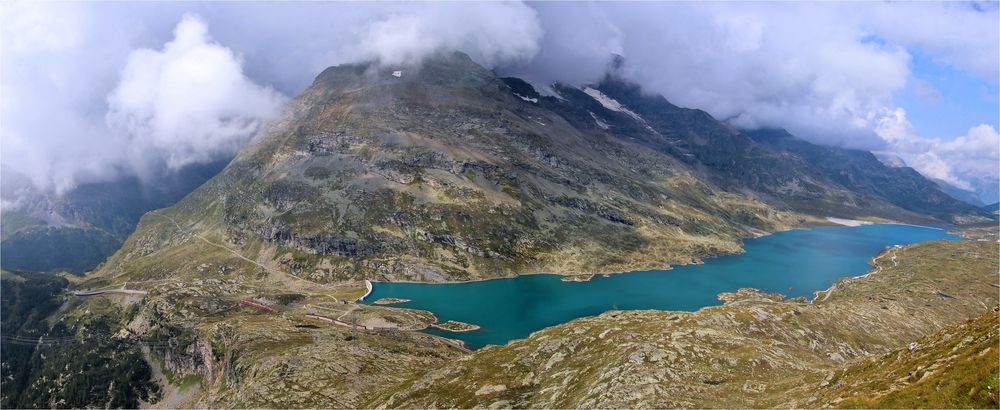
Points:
[(50, 359), (784, 170), (773, 166), (757, 350), (77, 230), (444, 174), (862, 173), (955, 368), (968, 197)]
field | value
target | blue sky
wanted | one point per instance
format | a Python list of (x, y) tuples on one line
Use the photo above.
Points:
[(955, 100)]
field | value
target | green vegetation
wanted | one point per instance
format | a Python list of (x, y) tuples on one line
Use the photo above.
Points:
[(13, 220), (955, 368), (26, 300), (75, 362), (92, 369)]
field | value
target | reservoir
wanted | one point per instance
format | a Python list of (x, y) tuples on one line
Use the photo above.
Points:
[(793, 263)]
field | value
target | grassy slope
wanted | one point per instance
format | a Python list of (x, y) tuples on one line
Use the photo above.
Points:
[(955, 368)]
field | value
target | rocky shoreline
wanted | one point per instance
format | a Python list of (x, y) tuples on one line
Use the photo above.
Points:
[(456, 326)]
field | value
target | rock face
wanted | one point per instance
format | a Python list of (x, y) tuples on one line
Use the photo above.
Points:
[(450, 173), (757, 350), (274, 364), (862, 173)]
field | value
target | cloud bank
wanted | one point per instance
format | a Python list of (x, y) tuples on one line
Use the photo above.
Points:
[(95, 91), (958, 161), (187, 103)]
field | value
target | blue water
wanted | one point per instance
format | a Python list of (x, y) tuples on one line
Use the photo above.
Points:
[(793, 263)]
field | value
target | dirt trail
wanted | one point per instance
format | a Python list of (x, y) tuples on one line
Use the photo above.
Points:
[(878, 268), (83, 293), (236, 253)]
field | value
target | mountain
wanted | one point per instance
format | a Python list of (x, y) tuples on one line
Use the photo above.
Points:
[(862, 173), (77, 230), (243, 293), (968, 197), (994, 208), (983, 189), (771, 165), (446, 172), (987, 188)]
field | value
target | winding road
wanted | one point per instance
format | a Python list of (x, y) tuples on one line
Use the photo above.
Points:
[(237, 254)]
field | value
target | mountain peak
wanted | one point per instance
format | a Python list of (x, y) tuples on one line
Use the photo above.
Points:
[(443, 69)]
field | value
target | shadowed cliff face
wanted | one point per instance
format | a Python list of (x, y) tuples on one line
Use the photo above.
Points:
[(77, 230), (772, 165), (867, 177)]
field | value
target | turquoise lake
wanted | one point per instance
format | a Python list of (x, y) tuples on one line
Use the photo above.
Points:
[(793, 263)]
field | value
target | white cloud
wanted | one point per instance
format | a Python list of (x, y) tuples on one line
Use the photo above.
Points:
[(827, 72), (958, 161), (490, 32), (94, 91), (804, 67), (187, 103), (960, 34)]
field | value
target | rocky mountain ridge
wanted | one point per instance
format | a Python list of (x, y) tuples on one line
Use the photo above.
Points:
[(447, 172)]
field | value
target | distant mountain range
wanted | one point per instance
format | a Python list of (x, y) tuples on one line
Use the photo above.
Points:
[(76, 231), (447, 172)]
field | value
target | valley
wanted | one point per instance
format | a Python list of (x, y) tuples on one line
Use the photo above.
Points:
[(812, 351), (247, 291)]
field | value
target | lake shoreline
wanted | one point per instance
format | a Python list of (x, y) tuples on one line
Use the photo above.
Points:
[(532, 302), (667, 268)]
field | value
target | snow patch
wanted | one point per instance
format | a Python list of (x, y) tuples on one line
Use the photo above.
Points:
[(847, 222), (397, 73), (531, 100), (600, 123), (614, 105), (548, 91), (610, 103)]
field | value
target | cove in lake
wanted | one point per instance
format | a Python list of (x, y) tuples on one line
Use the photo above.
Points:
[(793, 263)]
